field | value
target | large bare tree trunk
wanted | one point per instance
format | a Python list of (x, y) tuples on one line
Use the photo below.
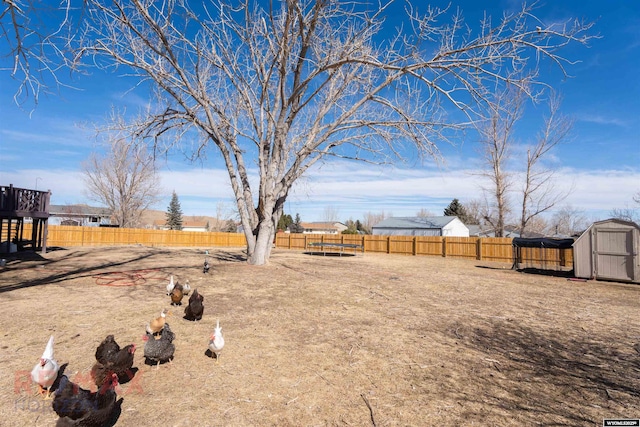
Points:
[(264, 243)]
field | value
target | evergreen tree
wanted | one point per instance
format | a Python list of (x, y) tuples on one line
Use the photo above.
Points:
[(174, 213), (456, 208), (296, 226), (284, 222)]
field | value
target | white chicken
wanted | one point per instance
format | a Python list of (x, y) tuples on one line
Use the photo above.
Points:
[(216, 341), (186, 288), (170, 285), (45, 372)]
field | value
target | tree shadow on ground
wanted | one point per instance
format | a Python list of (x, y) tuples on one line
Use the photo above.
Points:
[(228, 256), (552, 376), (57, 276)]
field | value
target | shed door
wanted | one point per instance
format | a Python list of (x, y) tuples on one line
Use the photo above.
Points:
[(613, 254)]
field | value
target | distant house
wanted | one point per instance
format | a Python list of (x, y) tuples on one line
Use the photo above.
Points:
[(201, 226), (323, 227), (79, 215), (418, 226)]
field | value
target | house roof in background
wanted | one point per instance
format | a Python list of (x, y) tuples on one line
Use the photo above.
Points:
[(416, 222), (75, 210), (185, 223), (320, 225)]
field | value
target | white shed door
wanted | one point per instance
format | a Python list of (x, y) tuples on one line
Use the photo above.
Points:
[(614, 254)]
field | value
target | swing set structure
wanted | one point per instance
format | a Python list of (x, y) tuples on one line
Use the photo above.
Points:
[(16, 206)]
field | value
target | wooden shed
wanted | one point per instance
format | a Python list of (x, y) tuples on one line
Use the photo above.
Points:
[(608, 250)]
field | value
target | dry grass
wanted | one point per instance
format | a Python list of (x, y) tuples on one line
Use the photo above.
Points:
[(313, 341)]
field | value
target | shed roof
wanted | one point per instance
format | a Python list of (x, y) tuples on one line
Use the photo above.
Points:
[(585, 234), (416, 222)]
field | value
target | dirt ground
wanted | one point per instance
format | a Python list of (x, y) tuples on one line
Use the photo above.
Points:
[(368, 340)]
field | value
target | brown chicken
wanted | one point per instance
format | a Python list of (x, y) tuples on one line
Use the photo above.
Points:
[(195, 308), (100, 374), (155, 326), (176, 295)]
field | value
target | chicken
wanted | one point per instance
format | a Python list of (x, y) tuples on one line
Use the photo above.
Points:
[(170, 285), (176, 295), (156, 325), (205, 268), (116, 359), (45, 372), (186, 288), (79, 407), (216, 341), (107, 349), (195, 308), (160, 348), (100, 374)]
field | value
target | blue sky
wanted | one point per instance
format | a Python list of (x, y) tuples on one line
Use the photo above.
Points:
[(599, 165)]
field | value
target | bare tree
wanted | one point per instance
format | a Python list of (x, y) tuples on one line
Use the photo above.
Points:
[(331, 214), (539, 193), (628, 213), (34, 33), (474, 211), (370, 219), (284, 85), (124, 179), (537, 225), (497, 139), (424, 213), (568, 221)]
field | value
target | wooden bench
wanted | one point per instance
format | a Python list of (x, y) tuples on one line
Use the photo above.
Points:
[(323, 246)]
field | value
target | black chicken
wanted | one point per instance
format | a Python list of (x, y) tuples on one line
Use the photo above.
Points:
[(79, 407), (205, 268), (159, 348), (116, 359), (195, 308)]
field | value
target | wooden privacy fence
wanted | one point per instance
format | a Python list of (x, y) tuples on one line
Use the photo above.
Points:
[(69, 235), (482, 248), (498, 249)]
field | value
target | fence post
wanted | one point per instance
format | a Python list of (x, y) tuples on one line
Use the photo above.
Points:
[(415, 245), (389, 244), (444, 247), (479, 249)]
